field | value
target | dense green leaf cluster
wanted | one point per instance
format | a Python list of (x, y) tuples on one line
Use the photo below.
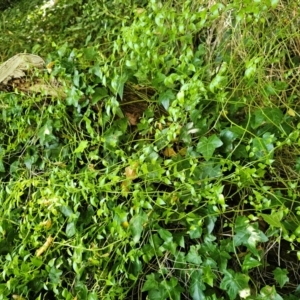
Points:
[(169, 169)]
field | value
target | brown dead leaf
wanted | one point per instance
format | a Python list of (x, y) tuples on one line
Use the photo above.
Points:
[(169, 152), (47, 244), (17, 297), (130, 172), (132, 118), (174, 199), (125, 188), (50, 66), (105, 254), (47, 224), (159, 126), (182, 151), (48, 90), (140, 10)]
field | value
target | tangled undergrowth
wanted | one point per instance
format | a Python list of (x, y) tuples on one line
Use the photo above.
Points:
[(169, 169)]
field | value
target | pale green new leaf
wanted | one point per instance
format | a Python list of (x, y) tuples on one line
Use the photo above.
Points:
[(208, 275), (82, 145)]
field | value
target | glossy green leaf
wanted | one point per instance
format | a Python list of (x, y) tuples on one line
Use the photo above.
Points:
[(193, 256), (208, 276), (150, 283), (234, 283), (157, 294), (228, 136), (54, 275), (81, 290), (165, 235), (70, 229), (247, 234), (197, 286), (172, 288), (195, 232), (269, 115), (274, 219), (66, 211), (166, 98), (250, 263), (207, 146), (136, 226), (92, 296)]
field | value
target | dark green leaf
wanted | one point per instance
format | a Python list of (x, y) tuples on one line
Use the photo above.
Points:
[(208, 276), (66, 211), (151, 283), (99, 94), (172, 288), (247, 234), (274, 219), (209, 169), (166, 98), (165, 235), (228, 136), (263, 146), (159, 294), (81, 290), (250, 263), (196, 286), (280, 276), (193, 256), (268, 115), (234, 284), (195, 232), (207, 146), (54, 275)]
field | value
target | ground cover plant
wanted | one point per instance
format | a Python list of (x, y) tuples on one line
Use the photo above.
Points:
[(169, 166)]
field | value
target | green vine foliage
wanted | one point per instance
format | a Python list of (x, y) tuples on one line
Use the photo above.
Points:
[(170, 167)]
